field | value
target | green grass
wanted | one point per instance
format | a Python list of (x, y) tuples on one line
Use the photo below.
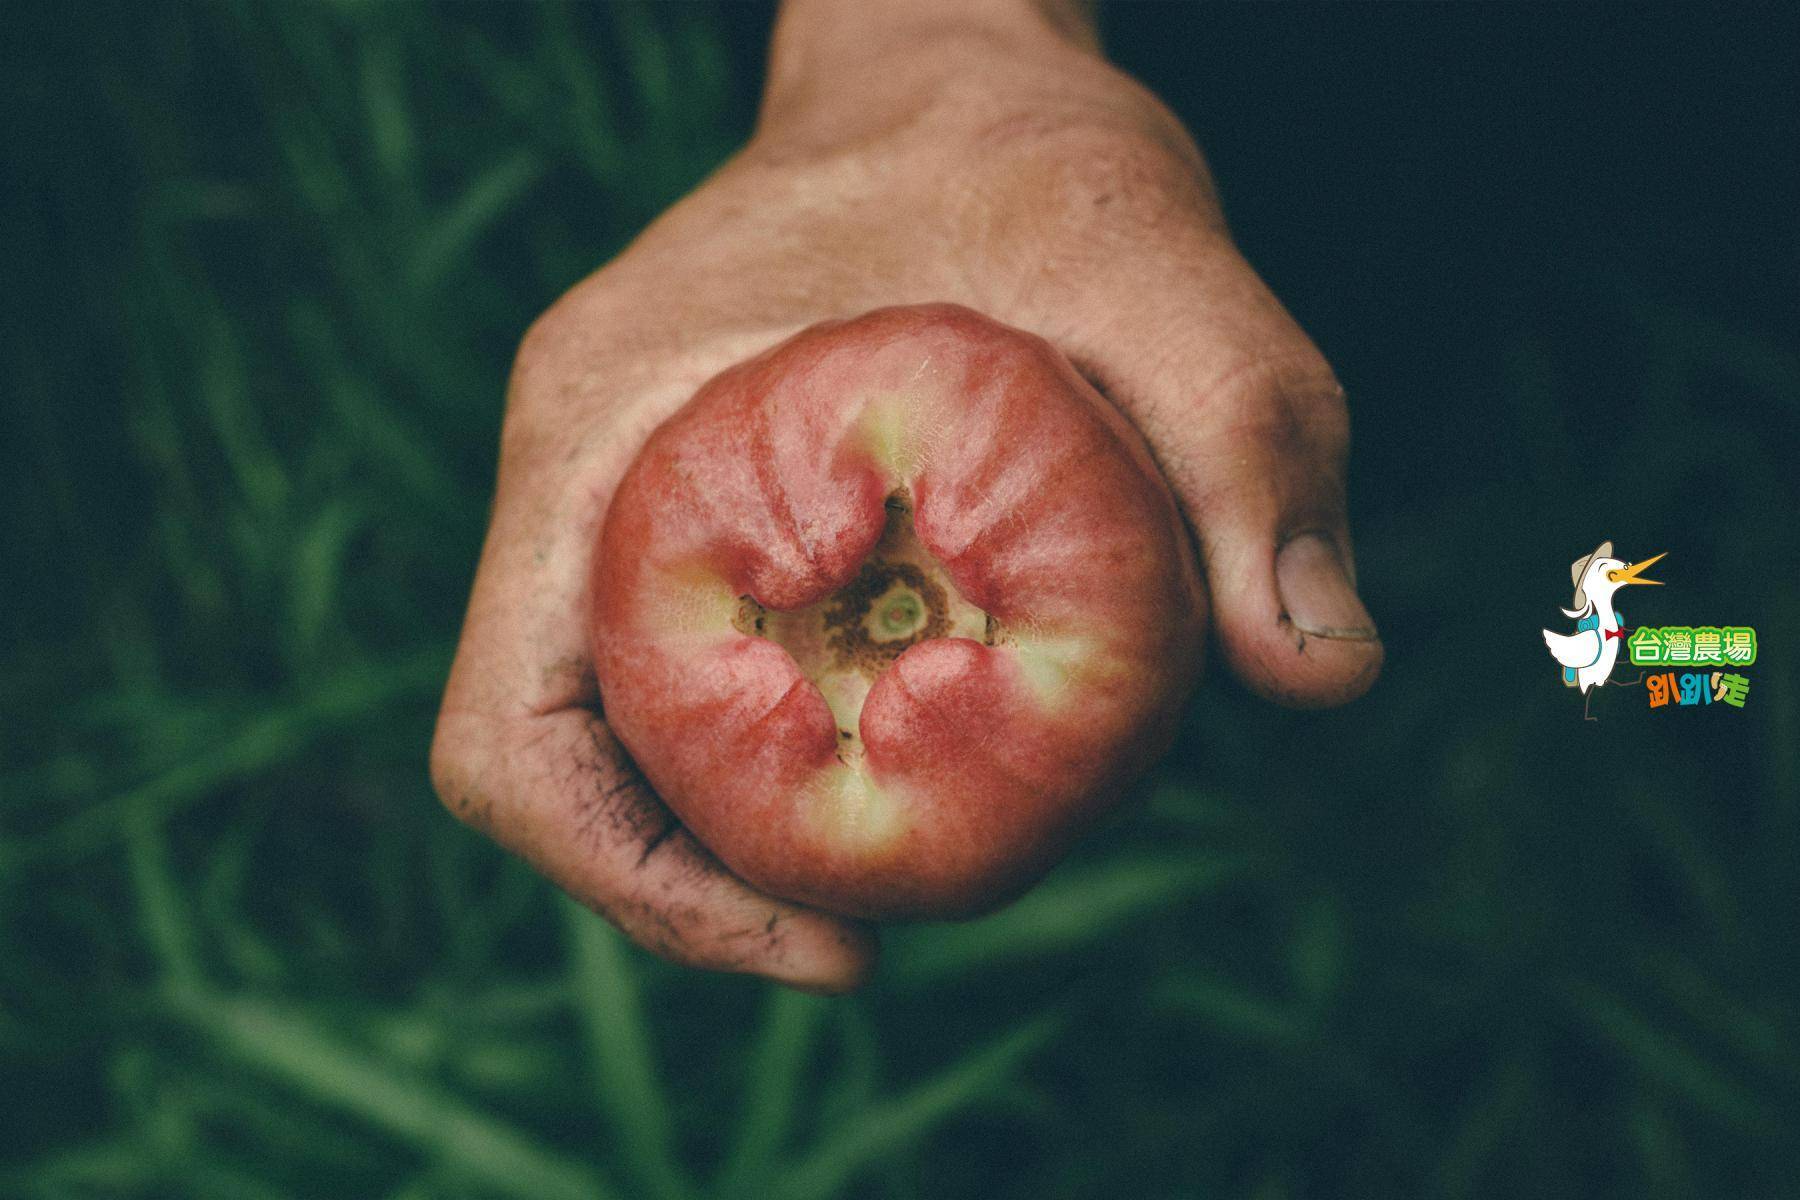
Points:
[(1447, 942)]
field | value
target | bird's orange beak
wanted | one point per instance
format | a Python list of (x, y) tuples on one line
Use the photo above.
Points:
[(1630, 574)]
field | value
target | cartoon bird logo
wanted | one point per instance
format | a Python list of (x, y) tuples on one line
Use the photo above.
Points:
[(1587, 656)]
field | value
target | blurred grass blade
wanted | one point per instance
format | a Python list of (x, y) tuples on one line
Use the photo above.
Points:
[(347, 1078), (513, 1003), (1071, 910), (112, 1166), (1702, 871), (1495, 1113), (647, 58), (316, 575), (243, 950), (618, 1042), (772, 1088), (1661, 1151), (237, 418), (1183, 801), (257, 746), (1232, 1010), (584, 103), (393, 137), (400, 450), (449, 240), (167, 927), (856, 1057), (1675, 1066), (1760, 1037), (1316, 955), (892, 1125), (203, 1180)]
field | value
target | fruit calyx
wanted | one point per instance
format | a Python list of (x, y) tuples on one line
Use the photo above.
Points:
[(900, 597)]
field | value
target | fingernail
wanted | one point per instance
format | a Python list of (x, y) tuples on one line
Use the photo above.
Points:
[(1316, 591)]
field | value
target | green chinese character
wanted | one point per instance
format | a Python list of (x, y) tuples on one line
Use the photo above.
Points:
[(1709, 645), (1678, 644), (1732, 689), (1740, 644), (1645, 647)]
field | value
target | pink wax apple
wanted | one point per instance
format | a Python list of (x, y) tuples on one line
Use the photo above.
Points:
[(888, 614)]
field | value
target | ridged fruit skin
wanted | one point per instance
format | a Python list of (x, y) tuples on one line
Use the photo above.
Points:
[(976, 759)]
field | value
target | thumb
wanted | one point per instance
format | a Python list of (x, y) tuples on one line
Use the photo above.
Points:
[(1250, 428)]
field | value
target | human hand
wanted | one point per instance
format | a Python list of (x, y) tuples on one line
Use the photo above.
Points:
[(978, 152)]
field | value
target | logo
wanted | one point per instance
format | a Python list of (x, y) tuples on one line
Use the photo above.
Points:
[(1589, 655)]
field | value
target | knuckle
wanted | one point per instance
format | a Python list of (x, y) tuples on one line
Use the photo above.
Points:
[(1262, 436), (1102, 179), (538, 347), (445, 763), (1330, 425), (568, 355), (1289, 405), (534, 371), (681, 930), (615, 815), (452, 779)]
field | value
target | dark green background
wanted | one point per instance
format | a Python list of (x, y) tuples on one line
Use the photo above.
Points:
[(265, 268)]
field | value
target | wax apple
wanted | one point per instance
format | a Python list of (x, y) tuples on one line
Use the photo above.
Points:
[(889, 613)]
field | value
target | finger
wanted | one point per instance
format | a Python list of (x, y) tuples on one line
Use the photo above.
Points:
[(559, 791), (520, 753), (1249, 426)]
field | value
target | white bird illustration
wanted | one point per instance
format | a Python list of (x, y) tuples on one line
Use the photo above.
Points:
[(1588, 655)]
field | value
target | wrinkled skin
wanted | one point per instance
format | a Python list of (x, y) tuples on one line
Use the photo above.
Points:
[(930, 739), (975, 153)]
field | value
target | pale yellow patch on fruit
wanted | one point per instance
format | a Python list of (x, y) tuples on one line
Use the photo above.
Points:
[(904, 429), (687, 602), (1053, 664), (847, 808), (844, 692), (890, 430)]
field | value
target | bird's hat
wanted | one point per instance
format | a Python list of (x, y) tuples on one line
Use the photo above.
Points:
[(1603, 550)]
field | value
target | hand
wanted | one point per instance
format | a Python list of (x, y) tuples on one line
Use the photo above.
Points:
[(976, 151)]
